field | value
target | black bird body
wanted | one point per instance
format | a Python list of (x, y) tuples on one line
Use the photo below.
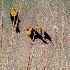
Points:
[(15, 18), (35, 35)]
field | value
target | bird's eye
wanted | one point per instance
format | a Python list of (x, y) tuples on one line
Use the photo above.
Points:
[(14, 9), (27, 29)]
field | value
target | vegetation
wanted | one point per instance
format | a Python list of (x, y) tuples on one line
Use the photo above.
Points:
[(16, 49)]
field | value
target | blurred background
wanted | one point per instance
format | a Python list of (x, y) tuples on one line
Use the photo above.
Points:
[(16, 49)]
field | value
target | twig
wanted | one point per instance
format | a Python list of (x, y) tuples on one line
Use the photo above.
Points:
[(29, 63), (1, 41), (63, 23), (20, 4), (55, 31), (29, 59), (1, 26), (2, 5), (44, 57), (55, 14)]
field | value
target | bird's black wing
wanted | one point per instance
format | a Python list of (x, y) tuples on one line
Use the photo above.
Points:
[(47, 36), (40, 37)]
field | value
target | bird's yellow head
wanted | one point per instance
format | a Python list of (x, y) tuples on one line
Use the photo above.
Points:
[(14, 12), (28, 31)]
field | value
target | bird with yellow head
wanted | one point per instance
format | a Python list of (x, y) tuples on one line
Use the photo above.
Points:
[(14, 12), (28, 31), (37, 33), (15, 19)]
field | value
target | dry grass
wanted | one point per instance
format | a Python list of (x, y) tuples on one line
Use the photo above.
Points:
[(11, 40), (44, 57), (30, 58), (47, 57)]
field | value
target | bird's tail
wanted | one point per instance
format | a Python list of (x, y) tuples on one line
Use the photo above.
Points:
[(47, 36), (44, 41)]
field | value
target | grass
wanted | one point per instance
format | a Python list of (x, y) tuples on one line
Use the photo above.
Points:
[(32, 13)]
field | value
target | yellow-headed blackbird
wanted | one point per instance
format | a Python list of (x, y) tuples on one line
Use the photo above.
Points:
[(14, 15), (15, 18), (36, 33)]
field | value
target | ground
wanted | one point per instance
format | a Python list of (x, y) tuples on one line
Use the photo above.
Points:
[(16, 49)]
